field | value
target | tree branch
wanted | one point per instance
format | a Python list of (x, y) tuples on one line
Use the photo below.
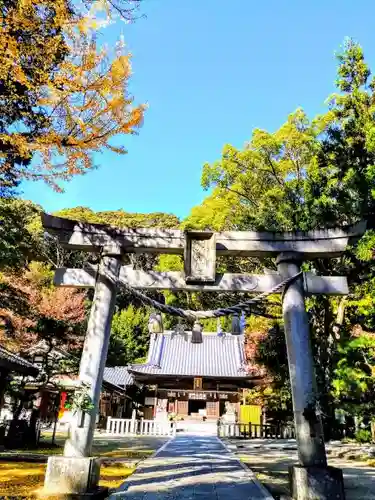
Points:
[(243, 196), (270, 162)]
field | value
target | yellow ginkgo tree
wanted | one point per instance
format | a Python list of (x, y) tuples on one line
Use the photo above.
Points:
[(64, 97)]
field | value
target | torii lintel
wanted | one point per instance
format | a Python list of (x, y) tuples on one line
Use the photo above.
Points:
[(93, 237)]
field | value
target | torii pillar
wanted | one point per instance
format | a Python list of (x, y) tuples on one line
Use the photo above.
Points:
[(77, 472), (94, 354), (312, 479)]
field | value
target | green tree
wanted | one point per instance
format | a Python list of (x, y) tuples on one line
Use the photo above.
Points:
[(129, 336), (342, 180), (17, 242), (268, 176), (312, 174), (217, 212), (120, 218), (354, 381), (23, 240)]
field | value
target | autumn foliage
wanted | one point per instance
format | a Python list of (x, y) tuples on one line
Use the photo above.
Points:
[(65, 97), (29, 310), (252, 341)]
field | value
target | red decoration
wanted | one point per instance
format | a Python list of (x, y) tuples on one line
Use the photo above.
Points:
[(63, 397)]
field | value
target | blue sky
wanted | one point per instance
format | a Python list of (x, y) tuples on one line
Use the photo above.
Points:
[(211, 71)]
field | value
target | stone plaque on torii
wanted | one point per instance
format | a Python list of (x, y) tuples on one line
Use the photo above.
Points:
[(200, 249)]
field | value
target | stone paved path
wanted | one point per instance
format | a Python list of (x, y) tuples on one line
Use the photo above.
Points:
[(192, 468)]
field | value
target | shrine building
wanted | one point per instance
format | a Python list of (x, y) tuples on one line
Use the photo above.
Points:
[(194, 380)]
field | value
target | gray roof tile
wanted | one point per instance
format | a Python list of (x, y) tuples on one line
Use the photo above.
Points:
[(118, 375), (11, 361), (172, 354)]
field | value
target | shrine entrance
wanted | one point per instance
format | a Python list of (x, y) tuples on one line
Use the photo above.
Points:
[(311, 478), (197, 408)]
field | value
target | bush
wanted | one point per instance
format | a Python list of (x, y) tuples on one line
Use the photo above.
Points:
[(363, 436)]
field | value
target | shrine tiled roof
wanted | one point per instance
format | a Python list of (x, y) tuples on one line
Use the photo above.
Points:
[(13, 362), (118, 375), (174, 355)]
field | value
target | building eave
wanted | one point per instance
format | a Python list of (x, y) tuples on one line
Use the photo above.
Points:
[(141, 373), (71, 385), (12, 362)]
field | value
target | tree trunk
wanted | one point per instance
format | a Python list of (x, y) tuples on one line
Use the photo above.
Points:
[(32, 432), (332, 334), (14, 436), (3, 384), (373, 431)]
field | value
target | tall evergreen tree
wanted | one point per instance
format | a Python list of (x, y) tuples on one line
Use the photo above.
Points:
[(313, 174)]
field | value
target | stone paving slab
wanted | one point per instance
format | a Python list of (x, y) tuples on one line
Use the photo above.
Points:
[(192, 468)]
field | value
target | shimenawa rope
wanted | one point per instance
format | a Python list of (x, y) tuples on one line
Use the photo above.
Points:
[(216, 313)]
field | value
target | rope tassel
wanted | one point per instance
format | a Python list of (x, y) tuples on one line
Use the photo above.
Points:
[(236, 326), (220, 332), (155, 323), (179, 328), (243, 322)]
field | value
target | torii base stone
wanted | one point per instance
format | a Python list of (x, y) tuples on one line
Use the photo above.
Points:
[(316, 483), (73, 478)]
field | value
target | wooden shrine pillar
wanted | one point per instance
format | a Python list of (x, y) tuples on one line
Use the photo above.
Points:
[(155, 401)]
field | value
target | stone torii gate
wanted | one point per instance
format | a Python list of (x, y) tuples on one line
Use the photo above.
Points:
[(312, 476)]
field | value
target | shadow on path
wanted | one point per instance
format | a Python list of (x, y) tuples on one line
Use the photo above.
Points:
[(193, 468), (271, 467)]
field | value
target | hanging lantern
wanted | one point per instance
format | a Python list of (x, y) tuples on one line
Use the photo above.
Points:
[(236, 327), (219, 330), (155, 323), (160, 321), (196, 333)]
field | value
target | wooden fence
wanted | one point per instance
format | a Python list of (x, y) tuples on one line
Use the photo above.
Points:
[(127, 426), (251, 431)]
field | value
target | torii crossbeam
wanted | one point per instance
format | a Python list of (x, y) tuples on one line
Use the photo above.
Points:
[(200, 249)]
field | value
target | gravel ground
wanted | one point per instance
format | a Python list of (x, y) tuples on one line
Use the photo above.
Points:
[(270, 461)]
